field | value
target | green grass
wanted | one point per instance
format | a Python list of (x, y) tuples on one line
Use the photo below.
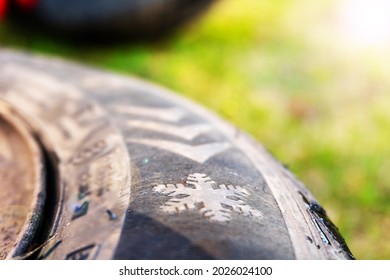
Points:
[(271, 68)]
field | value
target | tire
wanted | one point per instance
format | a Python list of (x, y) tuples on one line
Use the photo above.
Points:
[(91, 19), (136, 172)]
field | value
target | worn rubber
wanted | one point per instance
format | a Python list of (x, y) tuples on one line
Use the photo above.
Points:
[(137, 172)]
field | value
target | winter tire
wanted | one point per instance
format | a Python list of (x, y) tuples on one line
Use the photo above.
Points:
[(122, 169)]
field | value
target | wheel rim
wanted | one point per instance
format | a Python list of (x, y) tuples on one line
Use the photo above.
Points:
[(22, 188)]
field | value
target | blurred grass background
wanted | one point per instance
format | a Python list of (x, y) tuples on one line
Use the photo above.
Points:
[(287, 73)]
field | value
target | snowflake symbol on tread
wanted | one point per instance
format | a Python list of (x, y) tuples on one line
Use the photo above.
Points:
[(215, 202)]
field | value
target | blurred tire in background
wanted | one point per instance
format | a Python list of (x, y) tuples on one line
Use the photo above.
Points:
[(103, 19)]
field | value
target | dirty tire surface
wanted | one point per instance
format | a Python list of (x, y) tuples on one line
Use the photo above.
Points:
[(136, 172)]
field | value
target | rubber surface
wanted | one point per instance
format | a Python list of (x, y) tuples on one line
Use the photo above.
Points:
[(140, 173)]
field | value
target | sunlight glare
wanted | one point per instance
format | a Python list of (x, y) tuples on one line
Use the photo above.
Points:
[(366, 23)]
